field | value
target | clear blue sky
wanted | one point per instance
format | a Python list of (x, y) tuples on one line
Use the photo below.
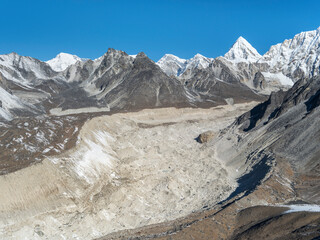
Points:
[(87, 28)]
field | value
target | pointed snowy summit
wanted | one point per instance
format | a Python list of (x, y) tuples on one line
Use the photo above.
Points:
[(242, 50), (62, 61)]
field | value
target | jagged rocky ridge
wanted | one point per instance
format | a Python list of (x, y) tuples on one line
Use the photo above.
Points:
[(115, 81), (293, 117), (286, 129)]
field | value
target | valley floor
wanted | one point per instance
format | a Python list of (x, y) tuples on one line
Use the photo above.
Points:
[(126, 171)]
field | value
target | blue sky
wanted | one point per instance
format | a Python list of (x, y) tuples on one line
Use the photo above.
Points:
[(87, 28)]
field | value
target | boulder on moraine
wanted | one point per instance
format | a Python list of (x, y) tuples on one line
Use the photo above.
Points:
[(205, 137)]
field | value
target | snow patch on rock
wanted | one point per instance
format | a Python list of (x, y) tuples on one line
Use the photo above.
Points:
[(302, 208), (8, 101), (282, 79)]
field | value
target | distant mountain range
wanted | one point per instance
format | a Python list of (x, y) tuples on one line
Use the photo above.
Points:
[(118, 81), (282, 65)]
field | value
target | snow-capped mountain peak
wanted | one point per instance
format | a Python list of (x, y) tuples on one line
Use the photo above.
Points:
[(199, 61), (296, 57), (171, 57), (171, 64), (242, 50), (62, 61), (198, 55)]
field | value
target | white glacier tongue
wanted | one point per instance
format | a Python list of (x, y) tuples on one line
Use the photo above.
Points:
[(242, 51), (62, 61)]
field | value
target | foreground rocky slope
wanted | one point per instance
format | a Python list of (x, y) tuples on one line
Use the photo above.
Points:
[(292, 119)]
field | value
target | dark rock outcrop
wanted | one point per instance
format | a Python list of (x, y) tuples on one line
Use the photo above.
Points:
[(137, 84), (259, 81), (205, 137), (280, 102)]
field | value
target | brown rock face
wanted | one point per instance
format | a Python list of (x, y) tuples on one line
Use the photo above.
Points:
[(205, 137)]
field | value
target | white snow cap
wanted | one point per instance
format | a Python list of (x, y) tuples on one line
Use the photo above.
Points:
[(301, 52), (199, 61), (62, 61), (171, 57), (171, 64), (242, 50)]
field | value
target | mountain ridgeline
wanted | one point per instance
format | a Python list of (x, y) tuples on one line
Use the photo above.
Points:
[(120, 82)]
